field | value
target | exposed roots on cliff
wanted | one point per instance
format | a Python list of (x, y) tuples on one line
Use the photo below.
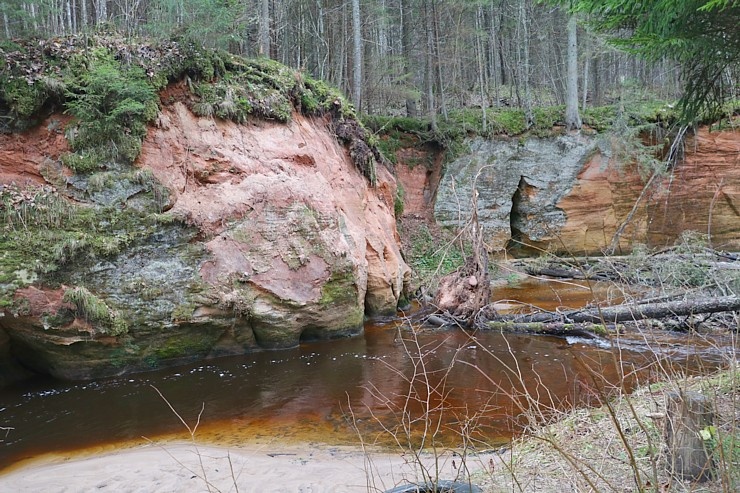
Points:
[(464, 292), (352, 134)]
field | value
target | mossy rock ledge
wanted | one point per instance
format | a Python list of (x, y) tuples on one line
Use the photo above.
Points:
[(217, 211)]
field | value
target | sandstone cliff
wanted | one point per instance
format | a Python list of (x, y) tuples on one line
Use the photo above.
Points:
[(569, 194), (223, 238)]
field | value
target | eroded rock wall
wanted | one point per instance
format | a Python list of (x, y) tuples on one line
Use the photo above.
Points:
[(297, 239), (271, 235), (520, 184), (570, 194)]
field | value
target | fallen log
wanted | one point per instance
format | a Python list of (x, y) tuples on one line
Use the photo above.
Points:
[(631, 312), (588, 330)]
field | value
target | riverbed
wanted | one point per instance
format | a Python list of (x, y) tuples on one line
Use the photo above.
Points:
[(341, 392)]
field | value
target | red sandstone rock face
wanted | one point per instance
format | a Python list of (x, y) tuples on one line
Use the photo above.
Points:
[(32, 156), (297, 245), (702, 194), (419, 175), (289, 222)]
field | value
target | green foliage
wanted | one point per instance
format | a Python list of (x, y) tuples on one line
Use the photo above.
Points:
[(432, 257), (112, 105), (701, 35), (262, 88), (398, 201), (394, 133), (318, 98), (23, 99), (95, 311), (634, 115), (266, 89)]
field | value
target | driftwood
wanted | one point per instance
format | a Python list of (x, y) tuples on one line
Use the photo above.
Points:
[(587, 330), (625, 269), (463, 293), (631, 312), (591, 323)]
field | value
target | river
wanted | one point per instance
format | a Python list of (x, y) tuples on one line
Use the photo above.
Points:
[(328, 391)]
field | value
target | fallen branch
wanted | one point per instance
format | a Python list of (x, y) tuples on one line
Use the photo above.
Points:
[(587, 330), (631, 312)]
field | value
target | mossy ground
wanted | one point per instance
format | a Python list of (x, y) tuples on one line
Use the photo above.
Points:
[(572, 448), (394, 133)]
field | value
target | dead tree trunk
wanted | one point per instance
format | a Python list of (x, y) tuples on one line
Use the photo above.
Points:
[(689, 418), (463, 293), (632, 312)]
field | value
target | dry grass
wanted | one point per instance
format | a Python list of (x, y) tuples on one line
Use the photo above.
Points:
[(582, 450)]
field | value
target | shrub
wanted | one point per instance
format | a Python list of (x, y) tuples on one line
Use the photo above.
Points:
[(112, 106)]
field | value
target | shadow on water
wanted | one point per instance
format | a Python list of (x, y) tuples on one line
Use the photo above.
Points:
[(306, 393)]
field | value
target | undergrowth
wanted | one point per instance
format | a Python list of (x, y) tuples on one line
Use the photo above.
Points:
[(395, 132), (96, 311)]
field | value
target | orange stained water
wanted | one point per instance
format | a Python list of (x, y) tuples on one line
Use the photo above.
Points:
[(335, 392)]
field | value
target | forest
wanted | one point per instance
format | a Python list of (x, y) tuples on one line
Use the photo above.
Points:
[(431, 57), (181, 209)]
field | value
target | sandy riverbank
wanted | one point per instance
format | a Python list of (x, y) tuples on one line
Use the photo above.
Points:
[(184, 467)]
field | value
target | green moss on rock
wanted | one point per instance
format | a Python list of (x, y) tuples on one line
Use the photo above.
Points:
[(88, 306)]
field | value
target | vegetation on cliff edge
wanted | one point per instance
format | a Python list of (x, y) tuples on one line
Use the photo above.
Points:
[(109, 85)]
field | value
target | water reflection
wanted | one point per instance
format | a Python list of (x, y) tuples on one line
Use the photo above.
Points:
[(308, 393)]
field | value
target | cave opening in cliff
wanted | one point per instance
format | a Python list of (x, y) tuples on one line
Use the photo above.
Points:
[(515, 218)]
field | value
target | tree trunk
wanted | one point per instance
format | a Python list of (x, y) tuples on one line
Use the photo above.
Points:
[(405, 10), (68, 9), (356, 56), (586, 65), (438, 62), (585, 330), (322, 58), (480, 58), (572, 118), (525, 69), (632, 312), (689, 420), (264, 28), (101, 11), (83, 15), (429, 71)]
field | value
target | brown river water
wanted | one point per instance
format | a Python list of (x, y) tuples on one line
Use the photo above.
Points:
[(316, 391)]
